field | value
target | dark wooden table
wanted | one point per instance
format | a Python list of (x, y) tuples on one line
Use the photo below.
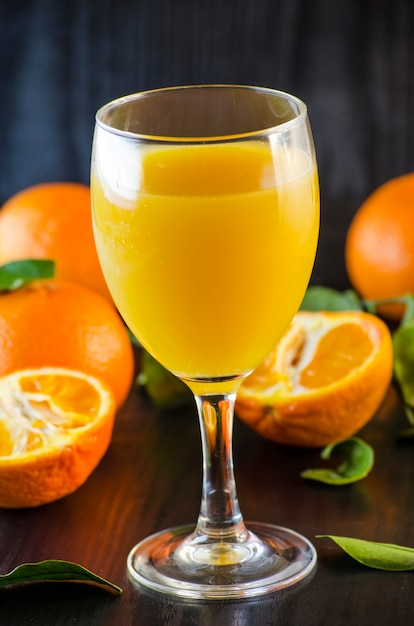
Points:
[(150, 479)]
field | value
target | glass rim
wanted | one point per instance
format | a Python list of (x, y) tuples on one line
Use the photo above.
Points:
[(280, 127)]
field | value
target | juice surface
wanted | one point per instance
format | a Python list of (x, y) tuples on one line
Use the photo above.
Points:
[(209, 255)]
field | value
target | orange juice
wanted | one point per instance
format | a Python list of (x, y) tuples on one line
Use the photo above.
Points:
[(208, 256)]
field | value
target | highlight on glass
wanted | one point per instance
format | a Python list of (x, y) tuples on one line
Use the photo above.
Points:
[(205, 206)]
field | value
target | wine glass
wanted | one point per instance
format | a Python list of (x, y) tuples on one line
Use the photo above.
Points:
[(206, 215)]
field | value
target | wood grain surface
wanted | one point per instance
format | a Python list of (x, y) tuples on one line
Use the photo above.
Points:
[(150, 479)]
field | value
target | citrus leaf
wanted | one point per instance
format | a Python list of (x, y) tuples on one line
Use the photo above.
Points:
[(327, 299), (55, 571), (403, 346), (407, 300), (385, 556), (358, 460), (17, 273)]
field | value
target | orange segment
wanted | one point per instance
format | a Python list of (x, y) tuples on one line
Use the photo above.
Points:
[(323, 381), (341, 350), (55, 426), (64, 394)]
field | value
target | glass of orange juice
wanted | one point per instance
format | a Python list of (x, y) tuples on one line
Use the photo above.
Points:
[(205, 206)]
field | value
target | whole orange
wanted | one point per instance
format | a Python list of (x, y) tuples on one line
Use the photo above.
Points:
[(379, 249), (61, 324), (53, 221)]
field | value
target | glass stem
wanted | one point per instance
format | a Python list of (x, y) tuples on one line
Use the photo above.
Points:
[(220, 518)]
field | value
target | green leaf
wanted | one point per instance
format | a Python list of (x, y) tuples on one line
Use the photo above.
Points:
[(17, 273), (56, 571), (403, 346), (327, 299), (358, 460), (407, 300), (385, 556), (165, 390)]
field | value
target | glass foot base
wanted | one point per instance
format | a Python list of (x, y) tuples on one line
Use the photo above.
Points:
[(180, 562)]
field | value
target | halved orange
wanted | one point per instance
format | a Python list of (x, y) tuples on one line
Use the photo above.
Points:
[(55, 426), (324, 380)]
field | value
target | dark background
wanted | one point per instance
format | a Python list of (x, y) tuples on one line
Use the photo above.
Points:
[(352, 61)]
